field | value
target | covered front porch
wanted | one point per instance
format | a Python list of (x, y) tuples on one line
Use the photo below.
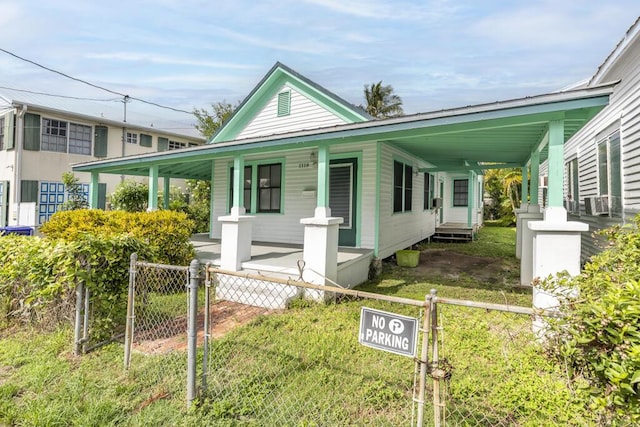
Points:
[(285, 260)]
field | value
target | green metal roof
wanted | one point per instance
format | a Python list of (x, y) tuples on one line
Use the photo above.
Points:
[(457, 139)]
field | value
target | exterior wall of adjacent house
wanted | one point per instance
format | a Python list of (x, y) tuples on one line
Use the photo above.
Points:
[(621, 115), (304, 114), (41, 170)]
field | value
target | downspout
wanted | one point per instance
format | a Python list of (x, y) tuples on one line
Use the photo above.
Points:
[(17, 170)]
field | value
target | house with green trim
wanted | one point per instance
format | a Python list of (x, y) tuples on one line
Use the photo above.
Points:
[(297, 165)]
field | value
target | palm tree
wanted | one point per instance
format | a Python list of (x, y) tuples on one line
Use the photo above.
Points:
[(381, 101), (512, 183)]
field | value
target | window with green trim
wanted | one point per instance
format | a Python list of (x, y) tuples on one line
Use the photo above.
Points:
[(247, 188), (429, 190), (1, 133), (270, 182), (284, 103), (402, 186), (460, 192), (573, 195)]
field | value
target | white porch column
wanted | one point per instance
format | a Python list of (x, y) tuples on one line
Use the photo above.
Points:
[(321, 247), (526, 251), (166, 191), (556, 248), (236, 229)]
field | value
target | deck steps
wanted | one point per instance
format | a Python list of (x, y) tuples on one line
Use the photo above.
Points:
[(454, 233)]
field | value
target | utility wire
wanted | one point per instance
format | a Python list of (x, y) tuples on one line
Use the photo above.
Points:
[(61, 96), (92, 84)]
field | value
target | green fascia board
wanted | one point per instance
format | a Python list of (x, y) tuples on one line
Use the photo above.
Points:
[(275, 79)]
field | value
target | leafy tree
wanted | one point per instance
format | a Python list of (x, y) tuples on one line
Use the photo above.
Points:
[(210, 122), (76, 198), (130, 196), (503, 187), (381, 101), (597, 336)]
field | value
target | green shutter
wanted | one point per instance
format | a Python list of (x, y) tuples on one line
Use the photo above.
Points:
[(102, 196), (9, 131), (163, 144), (145, 140), (4, 202), (100, 143), (28, 191), (284, 103), (32, 132)]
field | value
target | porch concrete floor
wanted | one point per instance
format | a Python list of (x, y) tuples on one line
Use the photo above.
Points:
[(265, 256)]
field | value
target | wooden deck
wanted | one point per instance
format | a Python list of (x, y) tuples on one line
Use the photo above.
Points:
[(455, 232)]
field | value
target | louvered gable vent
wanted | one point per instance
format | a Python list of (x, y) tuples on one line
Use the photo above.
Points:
[(284, 103)]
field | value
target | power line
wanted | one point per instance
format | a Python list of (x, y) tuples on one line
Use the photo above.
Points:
[(61, 96), (92, 84)]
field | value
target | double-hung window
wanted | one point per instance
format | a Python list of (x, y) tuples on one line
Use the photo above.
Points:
[(460, 192), (176, 145), (609, 172), (267, 187), (429, 190), (402, 186)]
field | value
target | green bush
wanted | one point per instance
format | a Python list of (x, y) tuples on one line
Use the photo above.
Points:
[(38, 278), (598, 336), (166, 233), (130, 196)]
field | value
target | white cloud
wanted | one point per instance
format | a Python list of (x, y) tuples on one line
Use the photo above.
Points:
[(379, 9), (166, 60)]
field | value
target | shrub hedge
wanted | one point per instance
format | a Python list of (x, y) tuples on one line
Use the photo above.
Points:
[(166, 233), (598, 337)]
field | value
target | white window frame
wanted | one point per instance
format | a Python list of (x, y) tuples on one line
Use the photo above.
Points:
[(132, 138)]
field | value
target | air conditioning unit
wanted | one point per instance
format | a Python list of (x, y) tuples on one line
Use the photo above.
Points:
[(596, 205), (437, 203)]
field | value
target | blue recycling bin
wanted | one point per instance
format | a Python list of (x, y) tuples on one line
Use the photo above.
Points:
[(17, 229)]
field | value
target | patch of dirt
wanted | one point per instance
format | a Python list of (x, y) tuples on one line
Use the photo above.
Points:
[(452, 265), (224, 316)]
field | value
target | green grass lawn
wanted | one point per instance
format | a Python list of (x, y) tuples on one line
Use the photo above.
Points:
[(304, 367)]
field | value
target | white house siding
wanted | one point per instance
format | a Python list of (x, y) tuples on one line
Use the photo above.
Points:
[(622, 113), (300, 185), (401, 230), (304, 114), (461, 214), (282, 227)]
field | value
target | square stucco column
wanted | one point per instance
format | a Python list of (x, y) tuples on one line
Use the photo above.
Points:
[(519, 211), (556, 248), (321, 248), (526, 250), (235, 244)]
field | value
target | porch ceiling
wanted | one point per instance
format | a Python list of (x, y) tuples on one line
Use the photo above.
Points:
[(460, 139)]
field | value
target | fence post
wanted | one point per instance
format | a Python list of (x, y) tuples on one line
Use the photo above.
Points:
[(194, 279), (128, 333), (78, 323), (424, 359), (437, 415), (207, 323), (85, 326)]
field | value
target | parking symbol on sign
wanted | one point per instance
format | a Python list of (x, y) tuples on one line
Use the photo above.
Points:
[(396, 326)]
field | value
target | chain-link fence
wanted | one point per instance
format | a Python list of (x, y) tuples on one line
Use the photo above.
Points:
[(299, 362), (157, 321), (260, 350)]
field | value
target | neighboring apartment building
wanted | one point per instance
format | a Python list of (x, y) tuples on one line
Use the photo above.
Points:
[(41, 136)]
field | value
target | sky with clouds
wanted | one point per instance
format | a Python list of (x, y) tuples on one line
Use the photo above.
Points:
[(191, 53)]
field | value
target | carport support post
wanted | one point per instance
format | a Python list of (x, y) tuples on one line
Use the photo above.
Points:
[(470, 196), (192, 334), (153, 188), (556, 243), (236, 230), (524, 207), (167, 189), (93, 190)]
